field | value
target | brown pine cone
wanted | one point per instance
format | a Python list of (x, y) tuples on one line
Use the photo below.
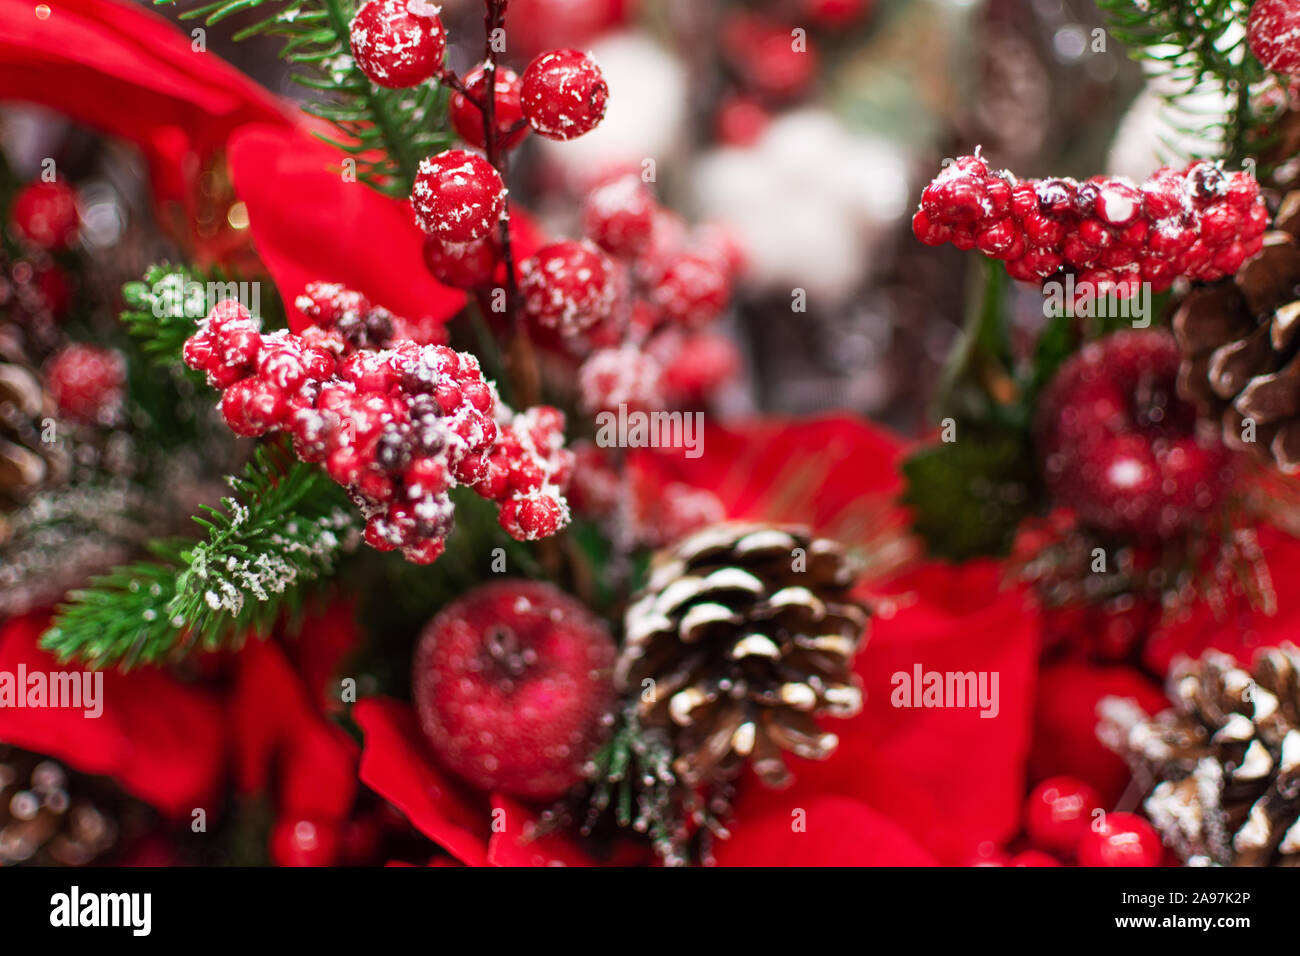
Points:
[(744, 634), (1240, 340), (1222, 766)]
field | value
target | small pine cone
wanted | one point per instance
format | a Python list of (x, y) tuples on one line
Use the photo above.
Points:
[(51, 816), (1222, 766), (747, 632), (1240, 339)]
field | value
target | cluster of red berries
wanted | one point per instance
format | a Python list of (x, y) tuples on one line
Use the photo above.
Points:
[(1199, 222), (1121, 448), (638, 291), (396, 423), (1064, 822), (527, 472)]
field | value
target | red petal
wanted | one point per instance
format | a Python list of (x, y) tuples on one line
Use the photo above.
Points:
[(159, 739), (309, 224), (818, 830), (395, 763)]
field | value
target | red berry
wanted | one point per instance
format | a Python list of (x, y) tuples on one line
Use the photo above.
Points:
[(304, 842), (252, 406), (461, 265), (512, 685), (87, 383), (1273, 32), (507, 112), (769, 56), (563, 94), (625, 375), (44, 216), (620, 216), (1122, 839), (398, 43), (1058, 812), (568, 286), (1033, 858), (692, 289), (740, 121), (458, 196)]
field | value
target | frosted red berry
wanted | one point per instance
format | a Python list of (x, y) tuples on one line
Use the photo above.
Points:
[(398, 43), (568, 286), (87, 383), (462, 265), (457, 196), (619, 216), (1273, 32), (1120, 447), (1058, 812), (692, 289), (507, 112), (512, 686), (1121, 839), (44, 216), (623, 376), (563, 94)]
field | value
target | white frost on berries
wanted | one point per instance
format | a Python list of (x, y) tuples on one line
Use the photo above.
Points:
[(620, 376)]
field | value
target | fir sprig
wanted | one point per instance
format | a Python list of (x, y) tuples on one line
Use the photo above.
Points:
[(385, 132), (1201, 46), (163, 310), (286, 524)]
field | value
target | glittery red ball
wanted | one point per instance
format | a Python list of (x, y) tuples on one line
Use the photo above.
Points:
[(398, 43), (1273, 32), (563, 94), (693, 289), (1058, 812), (458, 196), (1122, 839), (507, 111), (512, 684), (87, 383), (568, 286), (44, 216)]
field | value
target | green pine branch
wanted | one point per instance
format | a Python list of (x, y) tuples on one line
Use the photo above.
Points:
[(1202, 46), (386, 132), (285, 524)]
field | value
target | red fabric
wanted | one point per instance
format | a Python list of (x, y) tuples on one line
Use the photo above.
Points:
[(281, 738), (123, 69), (160, 739), (309, 224), (1065, 739)]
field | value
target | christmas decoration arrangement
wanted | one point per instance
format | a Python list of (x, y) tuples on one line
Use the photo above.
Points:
[(487, 449)]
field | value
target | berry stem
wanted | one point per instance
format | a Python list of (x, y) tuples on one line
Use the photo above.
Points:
[(521, 360)]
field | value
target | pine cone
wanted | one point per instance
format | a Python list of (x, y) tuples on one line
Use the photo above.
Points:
[(1240, 340), (747, 631), (51, 816), (1224, 761)]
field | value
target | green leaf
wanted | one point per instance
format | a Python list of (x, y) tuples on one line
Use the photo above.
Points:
[(968, 495)]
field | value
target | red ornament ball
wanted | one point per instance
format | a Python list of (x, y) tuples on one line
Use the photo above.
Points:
[(1273, 32), (512, 684), (44, 216), (564, 94), (506, 111), (87, 383), (458, 196), (568, 286), (1121, 448), (619, 216), (398, 43), (1058, 812), (1123, 839)]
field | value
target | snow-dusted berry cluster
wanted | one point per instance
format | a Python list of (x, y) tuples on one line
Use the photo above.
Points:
[(528, 470), (397, 423), (1200, 222), (635, 296)]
